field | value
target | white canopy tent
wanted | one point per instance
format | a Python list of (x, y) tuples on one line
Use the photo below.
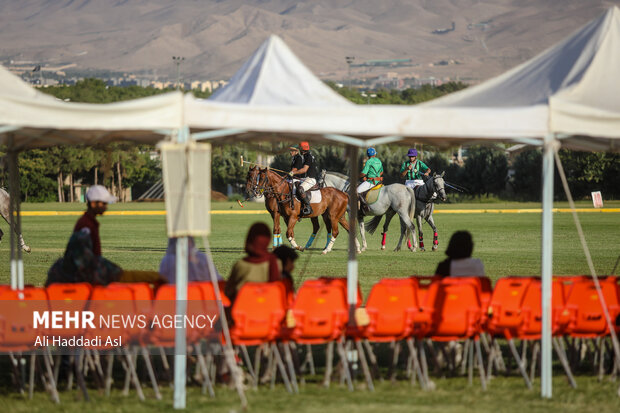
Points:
[(30, 119), (566, 95)]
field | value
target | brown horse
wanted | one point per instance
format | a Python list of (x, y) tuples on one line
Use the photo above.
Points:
[(253, 189), (332, 206)]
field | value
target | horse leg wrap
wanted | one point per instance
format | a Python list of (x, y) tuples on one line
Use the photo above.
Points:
[(310, 240), (435, 241), (329, 237), (293, 243), (384, 235), (409, 243), (329, 245), (421, 241), (275, 240)]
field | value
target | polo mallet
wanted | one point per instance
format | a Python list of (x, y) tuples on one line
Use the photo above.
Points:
[(262, 166)]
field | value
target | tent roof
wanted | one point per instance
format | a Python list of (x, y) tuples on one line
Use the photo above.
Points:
[(576, 79), (35, 119), (273, 75)]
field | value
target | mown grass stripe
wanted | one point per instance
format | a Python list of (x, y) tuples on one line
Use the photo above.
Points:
[(257, 212)]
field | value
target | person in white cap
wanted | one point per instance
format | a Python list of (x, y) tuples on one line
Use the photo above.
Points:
[(97, 200)]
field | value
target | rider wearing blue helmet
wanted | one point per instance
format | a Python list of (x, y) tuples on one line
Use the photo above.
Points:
[(372, 174), (413, 169)]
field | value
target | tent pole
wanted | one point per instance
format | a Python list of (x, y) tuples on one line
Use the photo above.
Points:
[(549, 149), (180, 345), (352, 155), (17, 265)]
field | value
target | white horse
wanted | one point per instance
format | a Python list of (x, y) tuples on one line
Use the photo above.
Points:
[(425, 196), (5, 201), (393, 199)]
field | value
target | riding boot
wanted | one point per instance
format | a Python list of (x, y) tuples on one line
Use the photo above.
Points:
[(307, 209), (364, 208)]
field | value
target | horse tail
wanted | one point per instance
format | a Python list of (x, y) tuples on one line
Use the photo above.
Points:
[(411, 211), (372, 225), (412, 205)]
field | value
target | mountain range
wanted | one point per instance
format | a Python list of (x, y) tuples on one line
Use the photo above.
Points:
[(469, 40)]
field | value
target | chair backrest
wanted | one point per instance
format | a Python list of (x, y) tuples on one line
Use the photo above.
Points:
[(115, 314), (586, 316), (391, 306), (164, 311), (531, 310), (17, 332), (504, 315), (258, 312), (458, 308), (320, 310), (342, 283), (69, 297)]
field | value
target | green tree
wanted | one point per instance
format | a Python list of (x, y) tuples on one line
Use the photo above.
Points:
[(486, 170)]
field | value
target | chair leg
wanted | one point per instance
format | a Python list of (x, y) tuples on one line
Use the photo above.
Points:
[(52, 383), (151, 372), (258, 355), (281, 367), (329, 362), (246, 360), (166, 366), (291, 367), (520, 363), (33, 359), (108, 374), (206, 380), (422, 357), (601, 358), (310, 359), (365, 368), (469, 363), (491, 360), (480, 364), (78, 362), (416, 365), (559, 349), (468, 357), (133, 376), (534, 362), (393, 366), (345, 364)]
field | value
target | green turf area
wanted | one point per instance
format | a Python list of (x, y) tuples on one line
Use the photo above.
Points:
[(508, 244)]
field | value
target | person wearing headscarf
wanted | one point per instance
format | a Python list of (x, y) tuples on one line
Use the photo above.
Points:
[(459, 262), (197, 263), (259, 265)]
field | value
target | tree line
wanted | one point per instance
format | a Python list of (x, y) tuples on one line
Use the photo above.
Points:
[(50, 174)]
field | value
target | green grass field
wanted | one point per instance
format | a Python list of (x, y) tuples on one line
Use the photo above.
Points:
[(508, 244)]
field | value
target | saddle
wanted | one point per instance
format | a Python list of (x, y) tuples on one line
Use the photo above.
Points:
[(372, 194)]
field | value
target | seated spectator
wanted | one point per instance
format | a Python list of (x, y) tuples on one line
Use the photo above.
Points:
[(80, 263), (197, 266), (258, 266), (287, 256), (459, 262)]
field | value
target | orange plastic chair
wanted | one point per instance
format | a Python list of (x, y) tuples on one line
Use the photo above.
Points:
[(532, 311), (17, 332), (258, 313), (114, 304), (504, 314), (342, 283), (457, 309), (584, 313), (320, 311), (391, 306), (164, 311), (69, 297)]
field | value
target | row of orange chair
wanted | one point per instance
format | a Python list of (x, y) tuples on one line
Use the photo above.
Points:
[(17, 331)]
